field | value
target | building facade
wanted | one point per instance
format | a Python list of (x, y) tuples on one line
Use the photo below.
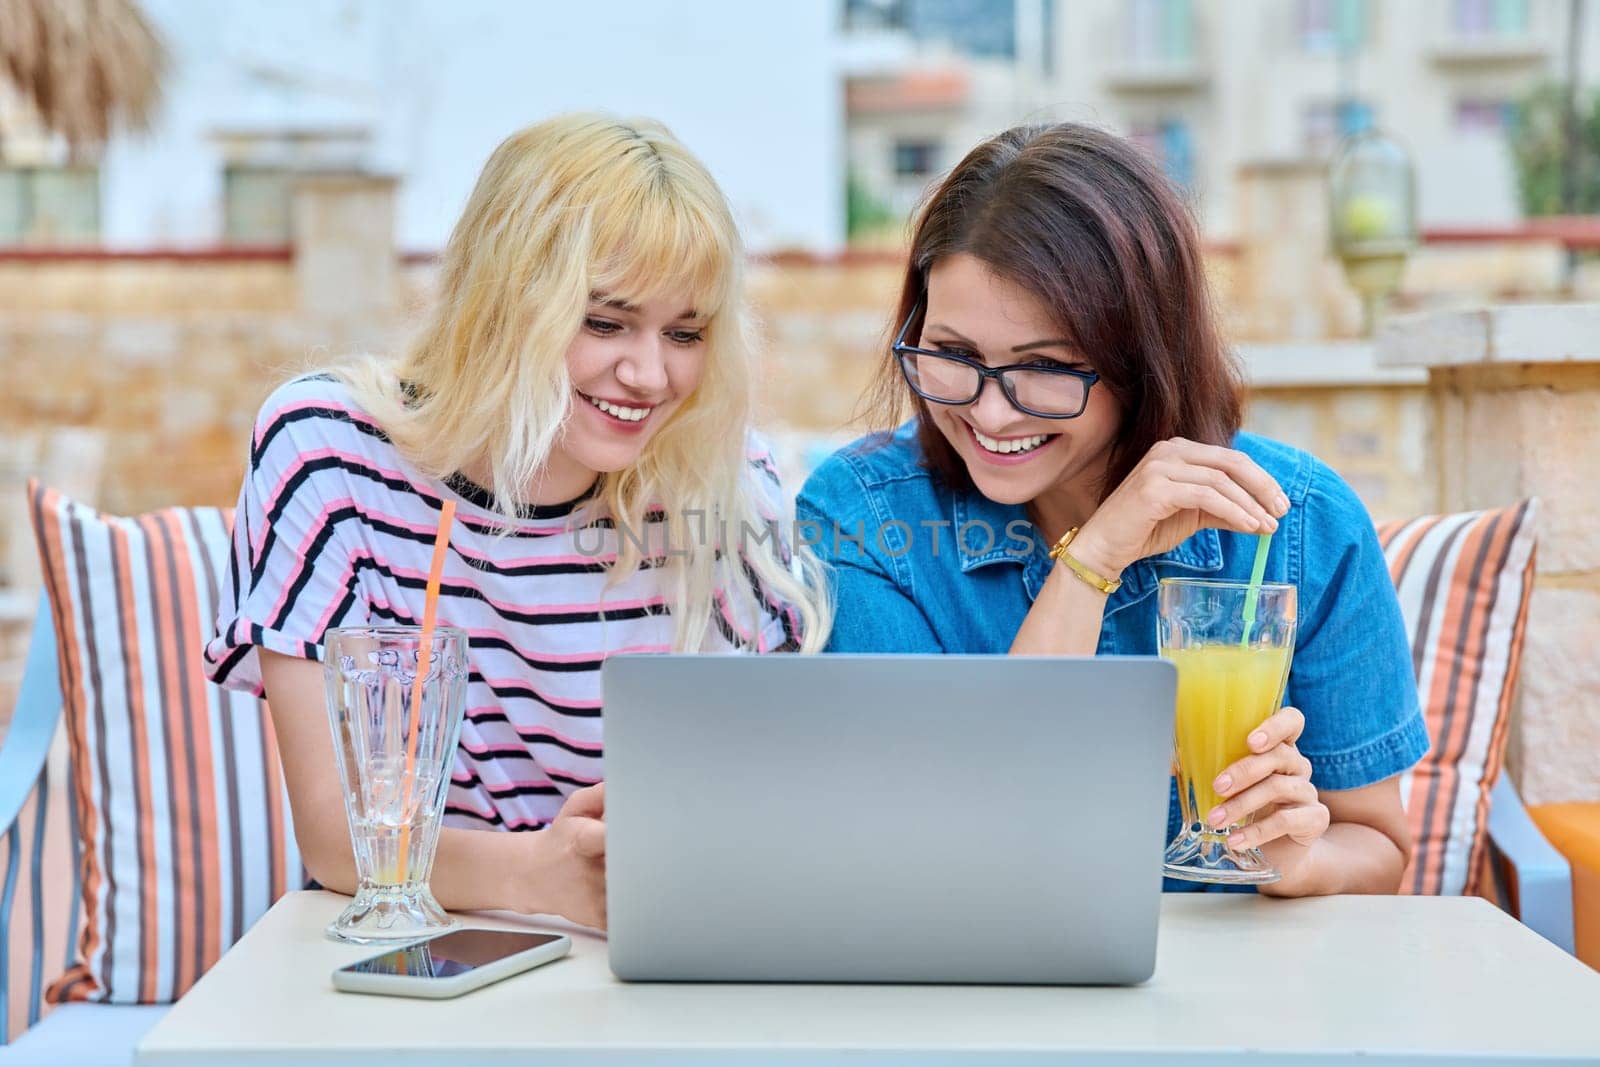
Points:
[(1209, 86)]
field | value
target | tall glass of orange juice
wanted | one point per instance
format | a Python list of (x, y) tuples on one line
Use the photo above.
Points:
[(1231, 675)]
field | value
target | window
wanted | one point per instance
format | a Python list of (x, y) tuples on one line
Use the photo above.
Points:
[(1161, 31), (983, 28), (874, 14), (1485, 116), (1330, 27), (259, 168), (1490, 18), (45, 206), (915, 159), (1169, 143), (255, 205), (1327, 122)]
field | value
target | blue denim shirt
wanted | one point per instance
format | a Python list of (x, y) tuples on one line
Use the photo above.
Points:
[(937, 570)]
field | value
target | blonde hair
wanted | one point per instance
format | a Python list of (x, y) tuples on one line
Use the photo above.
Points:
[(572, 206)]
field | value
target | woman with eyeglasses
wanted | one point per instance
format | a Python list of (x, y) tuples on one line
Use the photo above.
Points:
[(1074, 437)]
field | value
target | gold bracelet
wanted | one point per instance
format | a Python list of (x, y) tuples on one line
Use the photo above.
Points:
[(1098, 581)]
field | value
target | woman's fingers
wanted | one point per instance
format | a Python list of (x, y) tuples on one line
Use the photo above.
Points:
[(1303, 824), (1279, 789), (1239, 467), (590, 801), (1282, 727), (1222, 483), (1186, 496), (1242, 774), (589, 838), (1177, 486), (1273, 752), (1276, 779)]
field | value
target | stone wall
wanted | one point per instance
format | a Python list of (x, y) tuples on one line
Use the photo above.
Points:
[(1367, 421), (169, 358), (166, 361), (141, 286), (1513, 406)]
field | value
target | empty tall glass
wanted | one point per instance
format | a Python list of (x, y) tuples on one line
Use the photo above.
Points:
[(1231, 676), (394, 764)]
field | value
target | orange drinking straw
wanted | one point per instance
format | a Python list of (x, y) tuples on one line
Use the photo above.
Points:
[(430, 609)]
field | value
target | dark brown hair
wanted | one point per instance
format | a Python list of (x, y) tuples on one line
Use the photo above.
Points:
[(1081, 219)]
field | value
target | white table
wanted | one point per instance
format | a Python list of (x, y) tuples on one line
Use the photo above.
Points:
[(1388, 979)]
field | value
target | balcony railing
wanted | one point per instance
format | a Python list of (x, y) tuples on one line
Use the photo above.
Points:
[(1157, 76), (1483, 49)]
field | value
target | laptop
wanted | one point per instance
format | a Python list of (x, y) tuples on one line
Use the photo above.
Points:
[(973, 819)]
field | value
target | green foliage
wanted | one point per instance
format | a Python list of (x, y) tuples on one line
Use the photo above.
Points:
[(1538, 148), (865, 214)]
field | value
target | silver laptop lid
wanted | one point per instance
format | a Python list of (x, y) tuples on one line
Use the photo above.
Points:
[(886, 818)]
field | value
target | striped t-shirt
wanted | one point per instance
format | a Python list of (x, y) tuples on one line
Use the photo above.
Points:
[(335, 528)]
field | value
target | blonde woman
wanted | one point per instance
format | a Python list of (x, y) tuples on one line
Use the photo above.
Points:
[(572, 391)]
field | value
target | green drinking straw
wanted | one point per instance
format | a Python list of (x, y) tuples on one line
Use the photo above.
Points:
[(1252, 594)]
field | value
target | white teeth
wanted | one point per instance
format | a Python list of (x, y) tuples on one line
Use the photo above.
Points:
[(630, 414), (1018, 444)]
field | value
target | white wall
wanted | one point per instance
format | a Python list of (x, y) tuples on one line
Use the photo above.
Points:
[(750, 87)]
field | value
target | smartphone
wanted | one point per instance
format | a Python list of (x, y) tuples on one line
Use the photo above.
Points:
[(451, 964)]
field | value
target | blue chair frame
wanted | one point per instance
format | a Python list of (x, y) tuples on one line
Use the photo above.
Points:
[(1543, 890), (24, 772)]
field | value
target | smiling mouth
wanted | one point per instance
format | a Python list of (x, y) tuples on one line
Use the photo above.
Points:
[(619, 411), (1012, 446)]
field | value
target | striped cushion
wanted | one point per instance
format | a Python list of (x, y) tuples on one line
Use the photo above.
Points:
[(181, 810), (1464, 583)]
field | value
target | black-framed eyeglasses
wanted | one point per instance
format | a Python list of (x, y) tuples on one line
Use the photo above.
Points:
[(955, 380)]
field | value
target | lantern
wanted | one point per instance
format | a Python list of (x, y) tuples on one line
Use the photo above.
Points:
[(1372, 197)]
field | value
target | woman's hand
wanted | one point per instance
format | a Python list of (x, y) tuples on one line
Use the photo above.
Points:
[(1273, 784), (569, 878), (1178, 488)]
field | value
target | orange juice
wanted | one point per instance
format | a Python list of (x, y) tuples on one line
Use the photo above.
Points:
[(1224, 692)]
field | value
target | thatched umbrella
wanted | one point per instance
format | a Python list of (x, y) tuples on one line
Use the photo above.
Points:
[(84, 65)]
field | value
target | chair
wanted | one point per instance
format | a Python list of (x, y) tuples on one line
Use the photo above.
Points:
[(110, 1030)]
